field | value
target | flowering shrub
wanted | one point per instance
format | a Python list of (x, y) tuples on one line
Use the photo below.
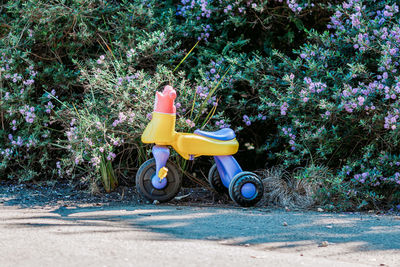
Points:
[(25, 119), (116, 108), (304, 84), (337, 104)]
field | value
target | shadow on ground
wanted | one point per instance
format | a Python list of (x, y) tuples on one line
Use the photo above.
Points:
[(236, 226), (269, 229)]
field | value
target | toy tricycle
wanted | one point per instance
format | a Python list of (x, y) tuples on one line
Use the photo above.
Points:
[(159, 178)]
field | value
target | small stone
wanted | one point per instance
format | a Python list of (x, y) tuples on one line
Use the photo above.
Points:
[(320, 210), (285, 224), (324, 244), (259, 257), (156, 202), (247, 245), (329, 226)]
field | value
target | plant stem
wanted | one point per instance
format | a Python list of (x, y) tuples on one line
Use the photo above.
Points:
[(185, 56)]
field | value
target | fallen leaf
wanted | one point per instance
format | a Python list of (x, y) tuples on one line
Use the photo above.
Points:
[(182, 197)]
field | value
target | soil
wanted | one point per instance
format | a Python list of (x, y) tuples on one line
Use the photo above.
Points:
[(63, 193)]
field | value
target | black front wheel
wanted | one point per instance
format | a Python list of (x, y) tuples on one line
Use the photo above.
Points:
[(215, 180), (246, 189), (145, 187)]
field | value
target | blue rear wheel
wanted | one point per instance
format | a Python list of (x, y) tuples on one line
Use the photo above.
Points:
[(246, 189)]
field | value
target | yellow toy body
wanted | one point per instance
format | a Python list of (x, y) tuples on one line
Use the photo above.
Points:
[(159, 179), (161, 131)]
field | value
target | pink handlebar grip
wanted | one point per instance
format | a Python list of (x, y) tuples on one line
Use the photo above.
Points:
[(165, 101)]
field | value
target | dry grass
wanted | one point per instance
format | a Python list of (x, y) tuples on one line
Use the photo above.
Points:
[(285, 189)]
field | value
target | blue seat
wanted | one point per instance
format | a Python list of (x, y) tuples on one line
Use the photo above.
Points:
[(225, 134)]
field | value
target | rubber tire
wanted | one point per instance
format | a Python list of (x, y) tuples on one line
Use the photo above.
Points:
[(147, 190), (236, 184), (215, 180)]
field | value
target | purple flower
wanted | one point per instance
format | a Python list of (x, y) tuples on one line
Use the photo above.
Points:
[(28, 82), (95, 161), (246, 120), (111, 156), (115, 123), (284, 108), (190, 123)]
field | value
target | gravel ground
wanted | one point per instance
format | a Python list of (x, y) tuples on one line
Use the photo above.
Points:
[(56, 226)]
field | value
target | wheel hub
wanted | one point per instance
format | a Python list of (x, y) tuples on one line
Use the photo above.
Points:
[(248, 190), (157, 183)]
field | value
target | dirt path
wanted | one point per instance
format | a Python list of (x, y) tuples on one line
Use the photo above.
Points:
[(117, 234)]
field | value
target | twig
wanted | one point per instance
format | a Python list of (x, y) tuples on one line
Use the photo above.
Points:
[(44, 58), (2, 115)]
